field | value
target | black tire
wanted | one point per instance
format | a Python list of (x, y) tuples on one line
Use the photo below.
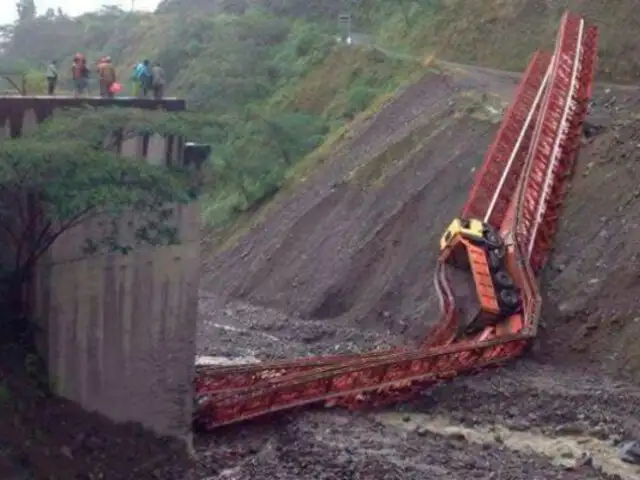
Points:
[(509, 299), (503, 279), (492, 238), (500, 251), (496, 259), (495, 262)]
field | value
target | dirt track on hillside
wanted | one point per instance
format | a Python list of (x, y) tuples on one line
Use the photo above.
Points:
[(344, 264)]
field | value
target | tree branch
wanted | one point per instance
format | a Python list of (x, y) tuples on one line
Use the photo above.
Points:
[(46, 239)]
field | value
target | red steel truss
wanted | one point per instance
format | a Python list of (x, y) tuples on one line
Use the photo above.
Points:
[(504, 160)]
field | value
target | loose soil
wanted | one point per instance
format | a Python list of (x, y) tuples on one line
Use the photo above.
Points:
[(344, 263)]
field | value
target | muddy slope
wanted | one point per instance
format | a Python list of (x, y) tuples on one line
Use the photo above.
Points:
[(593, 282), (353, 244)]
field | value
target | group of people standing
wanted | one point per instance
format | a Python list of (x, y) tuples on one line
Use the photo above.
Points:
[(146, 79)]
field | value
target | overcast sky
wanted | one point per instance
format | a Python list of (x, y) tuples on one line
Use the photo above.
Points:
[(74, 7)]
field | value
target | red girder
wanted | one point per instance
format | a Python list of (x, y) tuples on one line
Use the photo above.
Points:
[(508, 141), (558, 126), (526, 204), (345, 385), (213, 378), (566, 164)]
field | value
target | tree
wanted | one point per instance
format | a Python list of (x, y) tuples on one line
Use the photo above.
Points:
[(62, 175), (405, 8), (26, 10)]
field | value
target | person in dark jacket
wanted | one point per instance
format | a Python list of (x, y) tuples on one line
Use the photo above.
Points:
[(157, 81)]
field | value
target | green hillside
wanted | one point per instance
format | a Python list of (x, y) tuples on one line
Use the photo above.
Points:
[(272, 79)]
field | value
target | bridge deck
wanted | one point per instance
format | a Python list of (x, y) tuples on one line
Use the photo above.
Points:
[(18, 111), (171, 104)]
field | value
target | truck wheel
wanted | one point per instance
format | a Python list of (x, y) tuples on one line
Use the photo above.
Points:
[(496, 259), (503, 279), (492, 238), (509, 299), (495, 263)]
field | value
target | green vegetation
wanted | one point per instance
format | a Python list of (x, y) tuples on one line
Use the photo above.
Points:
[(272, 81), (270, 86), (62, 175)]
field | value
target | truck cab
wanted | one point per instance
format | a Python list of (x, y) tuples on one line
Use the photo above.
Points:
[(472, 245)]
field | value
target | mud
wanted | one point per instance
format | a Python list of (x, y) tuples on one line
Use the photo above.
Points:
[(592, 284), (569, 451), (344, 446), (44, 438)]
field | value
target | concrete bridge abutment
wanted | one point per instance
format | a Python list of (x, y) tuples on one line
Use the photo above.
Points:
[(118, 331)]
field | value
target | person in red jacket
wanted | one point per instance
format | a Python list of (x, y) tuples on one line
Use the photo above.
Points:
[(107, 74), (80, 74)]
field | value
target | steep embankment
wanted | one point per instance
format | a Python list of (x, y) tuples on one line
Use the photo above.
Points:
[(592, 284), (351, 242)]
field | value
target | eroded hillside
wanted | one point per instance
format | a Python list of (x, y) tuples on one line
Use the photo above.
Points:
[(592, 283), (350, 243)]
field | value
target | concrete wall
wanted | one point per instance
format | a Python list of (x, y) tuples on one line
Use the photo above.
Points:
[(118, 331)]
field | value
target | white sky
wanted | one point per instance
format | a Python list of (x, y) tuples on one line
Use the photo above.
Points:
[(74, 7)]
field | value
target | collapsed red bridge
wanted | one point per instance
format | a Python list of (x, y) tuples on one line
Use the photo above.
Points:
[(504, 233)]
